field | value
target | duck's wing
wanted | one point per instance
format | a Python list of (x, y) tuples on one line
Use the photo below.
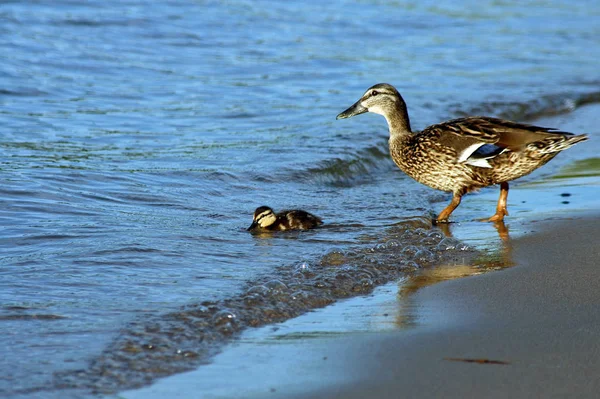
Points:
[(478, 139), (297, 214)]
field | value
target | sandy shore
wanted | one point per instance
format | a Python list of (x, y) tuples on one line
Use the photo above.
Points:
[(540, 321)]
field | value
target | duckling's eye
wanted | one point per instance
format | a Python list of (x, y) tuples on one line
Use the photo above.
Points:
[(374, 93)]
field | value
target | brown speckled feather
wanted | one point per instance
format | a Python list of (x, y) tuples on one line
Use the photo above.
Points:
[(432, 156), (298, 220), (493, 131)]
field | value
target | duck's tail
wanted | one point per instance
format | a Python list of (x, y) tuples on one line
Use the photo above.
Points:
[(556, 144)]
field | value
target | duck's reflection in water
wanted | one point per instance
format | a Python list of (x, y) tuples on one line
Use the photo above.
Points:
[(491, 260), (501, 228)]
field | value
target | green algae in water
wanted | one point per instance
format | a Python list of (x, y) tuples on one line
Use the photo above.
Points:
[(582, 168)]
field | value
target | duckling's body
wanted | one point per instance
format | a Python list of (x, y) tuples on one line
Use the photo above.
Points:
[(465, 154), (266, 220)]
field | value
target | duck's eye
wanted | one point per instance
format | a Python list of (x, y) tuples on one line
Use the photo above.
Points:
[(374, 93)]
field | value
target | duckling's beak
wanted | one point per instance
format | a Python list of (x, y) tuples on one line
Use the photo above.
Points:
[(252, 226), (356, 109)]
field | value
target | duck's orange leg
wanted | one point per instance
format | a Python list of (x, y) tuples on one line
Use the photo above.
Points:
[(445, 214), (501, 207)]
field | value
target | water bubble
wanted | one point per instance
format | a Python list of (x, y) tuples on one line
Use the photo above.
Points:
[(430, 240), (276, 286), (303, 267), (352, 254), (392, 244), (301, 276), (199, 311), (364, 284), (409, 265), (393, 265), (199, 308), (436, 234), (227, 329), (299, 296), (258, 289), (380, 247), (447, 244), (294, 283), (410, 250), (407, 234), (424, 256), (343, 276), (421, 231), (368, 272), (374, 262), (367, 283), (223, 317), (323, 283), (225, 321), (253, 299)]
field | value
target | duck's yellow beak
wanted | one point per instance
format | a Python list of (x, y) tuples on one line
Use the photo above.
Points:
[(355, 109)]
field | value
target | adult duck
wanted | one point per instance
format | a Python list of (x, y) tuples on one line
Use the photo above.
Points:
[(465, 154)]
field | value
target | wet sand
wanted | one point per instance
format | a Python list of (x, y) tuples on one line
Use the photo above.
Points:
[(531, 330)]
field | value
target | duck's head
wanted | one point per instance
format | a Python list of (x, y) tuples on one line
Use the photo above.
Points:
[(263, 218), (382, 99)]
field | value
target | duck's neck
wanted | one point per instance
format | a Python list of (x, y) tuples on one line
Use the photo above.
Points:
[(398, 121)]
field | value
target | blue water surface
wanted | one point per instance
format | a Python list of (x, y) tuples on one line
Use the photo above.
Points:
[(136, 139)]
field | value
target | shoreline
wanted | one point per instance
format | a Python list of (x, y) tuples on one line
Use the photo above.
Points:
[(527, 331)]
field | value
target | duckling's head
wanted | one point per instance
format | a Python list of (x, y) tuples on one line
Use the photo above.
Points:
[(263, 218), (382, 99)]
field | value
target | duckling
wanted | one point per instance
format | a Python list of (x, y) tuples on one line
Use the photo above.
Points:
[(267, 220), (465, 154)]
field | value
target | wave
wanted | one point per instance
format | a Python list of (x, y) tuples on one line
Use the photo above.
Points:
[(355, 169), (552, 104)]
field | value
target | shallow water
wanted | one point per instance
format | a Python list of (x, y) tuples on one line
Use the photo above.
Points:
[(138, 138)]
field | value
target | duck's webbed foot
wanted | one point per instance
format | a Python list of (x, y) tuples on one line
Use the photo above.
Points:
[(498, 216), (445, 214), (501, 208)]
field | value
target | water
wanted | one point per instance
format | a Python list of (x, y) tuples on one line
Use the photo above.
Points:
[(137, 138)]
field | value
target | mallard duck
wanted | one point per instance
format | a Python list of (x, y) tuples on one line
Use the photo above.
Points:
[(266, 220), (465, 154)]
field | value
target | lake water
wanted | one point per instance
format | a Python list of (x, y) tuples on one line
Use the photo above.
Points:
[(138, 137)]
